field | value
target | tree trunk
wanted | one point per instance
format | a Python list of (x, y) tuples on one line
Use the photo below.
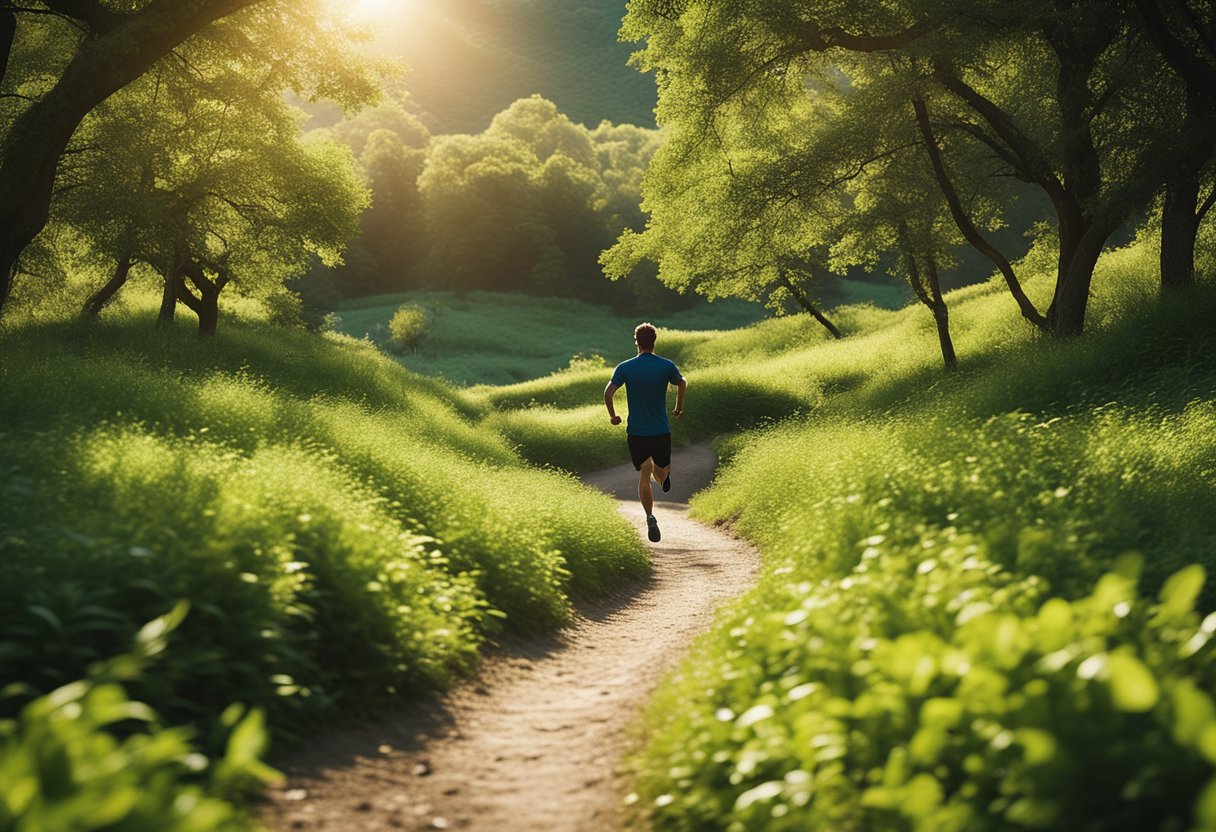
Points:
[(805, 302), (941, 314), (931, 297), (208, 314), (98, 300), (37, 138), (207, 304), (963, 221), (8, 31), (1181, 213), (1179, 228), (1067, 312), (168, 297)]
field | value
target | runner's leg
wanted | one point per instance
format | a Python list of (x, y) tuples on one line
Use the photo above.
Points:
[(644, 492)]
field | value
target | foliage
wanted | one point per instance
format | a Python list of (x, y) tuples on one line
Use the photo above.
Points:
[(68, 60), (785, 123), (408, 327), (525, 205), (344, 532), (949, 633), (86, 756)]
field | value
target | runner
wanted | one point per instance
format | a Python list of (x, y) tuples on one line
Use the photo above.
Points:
[(645, 378)]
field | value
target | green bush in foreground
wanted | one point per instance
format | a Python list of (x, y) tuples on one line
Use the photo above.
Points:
[(931, 690), (87, 757), (948, 634)]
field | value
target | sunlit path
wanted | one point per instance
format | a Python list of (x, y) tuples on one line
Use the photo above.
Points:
[(536, 741)]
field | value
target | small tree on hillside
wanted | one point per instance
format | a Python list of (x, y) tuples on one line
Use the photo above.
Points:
[(219, 189)]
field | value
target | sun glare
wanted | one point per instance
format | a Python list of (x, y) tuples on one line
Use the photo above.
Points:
[(381, 8)]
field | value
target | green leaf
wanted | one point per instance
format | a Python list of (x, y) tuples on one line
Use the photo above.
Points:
[(1133, 686), (1193, 709), (150, 639), (1179, 593)]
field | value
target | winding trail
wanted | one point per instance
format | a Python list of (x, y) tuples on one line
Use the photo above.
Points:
[(535, 741)]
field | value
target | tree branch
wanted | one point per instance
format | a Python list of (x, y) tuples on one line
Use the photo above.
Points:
[(93, 14), (1193, 69), (964, 223), (1030, 159)]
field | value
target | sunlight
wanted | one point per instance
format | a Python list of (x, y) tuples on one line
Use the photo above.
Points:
[(371, 9)]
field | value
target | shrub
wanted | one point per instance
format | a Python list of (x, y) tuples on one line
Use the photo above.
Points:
[(345, 533), (408, 326), (87, 757), (931, 690)]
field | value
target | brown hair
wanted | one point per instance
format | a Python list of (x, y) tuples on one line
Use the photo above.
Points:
[(644, 336)]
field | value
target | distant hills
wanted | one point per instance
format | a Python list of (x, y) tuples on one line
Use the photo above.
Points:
[(470, 59)]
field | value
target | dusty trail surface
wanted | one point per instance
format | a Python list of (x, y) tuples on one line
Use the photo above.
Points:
[(535, 742)]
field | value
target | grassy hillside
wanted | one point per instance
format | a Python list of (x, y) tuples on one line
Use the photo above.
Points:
[(342, 530), (983, 599), (499, 338), (494, 338)]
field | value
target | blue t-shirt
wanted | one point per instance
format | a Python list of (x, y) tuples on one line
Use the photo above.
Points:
[(645, 379)]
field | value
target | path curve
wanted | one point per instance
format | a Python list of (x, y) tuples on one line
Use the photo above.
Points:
[(535, 741)]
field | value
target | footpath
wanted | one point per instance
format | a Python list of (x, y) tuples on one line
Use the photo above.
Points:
[(535, 741)]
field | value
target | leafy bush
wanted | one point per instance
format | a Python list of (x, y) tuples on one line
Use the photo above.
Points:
[(86, 756), (407, 327), (345, 533), (931, 690)]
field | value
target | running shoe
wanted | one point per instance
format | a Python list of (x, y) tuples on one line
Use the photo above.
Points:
[(667, 484), (652, 528)]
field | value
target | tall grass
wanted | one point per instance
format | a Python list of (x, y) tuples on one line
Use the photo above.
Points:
[(344, 533), (950, 632)]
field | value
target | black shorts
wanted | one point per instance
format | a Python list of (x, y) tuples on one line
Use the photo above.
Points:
[(657, 448)]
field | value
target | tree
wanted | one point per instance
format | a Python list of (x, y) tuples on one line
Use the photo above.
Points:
[(1058, 94), (1185, 34), (529, 203), (117, 49), (206, 179), (106, 49)]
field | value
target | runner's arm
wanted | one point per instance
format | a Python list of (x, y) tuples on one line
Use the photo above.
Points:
[(609, 392), (681, 388)]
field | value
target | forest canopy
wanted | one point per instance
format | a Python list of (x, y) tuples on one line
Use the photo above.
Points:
[(526, 205)]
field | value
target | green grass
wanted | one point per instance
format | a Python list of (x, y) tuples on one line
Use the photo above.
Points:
[(949, 632), (983, 600), (498, 338), (495, 339), (344, 531)]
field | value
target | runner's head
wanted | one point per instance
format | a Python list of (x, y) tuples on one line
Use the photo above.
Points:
[(644, 336)]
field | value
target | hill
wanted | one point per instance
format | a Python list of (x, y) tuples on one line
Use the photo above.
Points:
[(986, 601), (500, 338), (342, 532)]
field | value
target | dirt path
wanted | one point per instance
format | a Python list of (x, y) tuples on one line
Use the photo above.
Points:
[(535, 742)]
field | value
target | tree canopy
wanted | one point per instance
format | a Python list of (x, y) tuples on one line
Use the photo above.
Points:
[(795, 106), (62, 60)]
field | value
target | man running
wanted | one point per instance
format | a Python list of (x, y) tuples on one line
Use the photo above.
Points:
[(645, 378)]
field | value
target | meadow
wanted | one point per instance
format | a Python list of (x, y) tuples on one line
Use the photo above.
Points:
[(497, 338), (982, 603), (314, 531), (984, 598)]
